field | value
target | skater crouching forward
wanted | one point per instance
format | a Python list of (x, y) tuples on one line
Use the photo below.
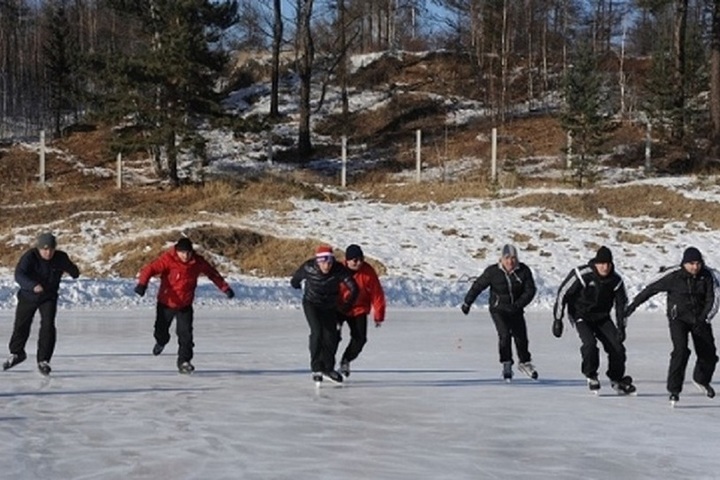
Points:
[(590, 292), (371, 297), (38, 273), (179, 269), (691, 304), (512, 288), (322, 276)]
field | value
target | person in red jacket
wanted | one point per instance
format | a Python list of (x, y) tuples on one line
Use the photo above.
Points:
[(179, 269), (371, 297)]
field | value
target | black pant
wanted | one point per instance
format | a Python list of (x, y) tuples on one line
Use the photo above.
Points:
[(324, 336), (24, 314), (183, 328), (358, 335), (605, 331), (511, 327), (702, 336)]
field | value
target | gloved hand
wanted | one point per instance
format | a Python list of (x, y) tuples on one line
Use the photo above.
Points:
[(140, 289), (621, 333), (557, 328), (378, 323), (229, 293), (465, 308), (629, 310)]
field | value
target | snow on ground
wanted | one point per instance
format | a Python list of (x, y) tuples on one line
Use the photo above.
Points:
[(424, 401)]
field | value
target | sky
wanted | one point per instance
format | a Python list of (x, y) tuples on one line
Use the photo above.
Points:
[(425, 399)]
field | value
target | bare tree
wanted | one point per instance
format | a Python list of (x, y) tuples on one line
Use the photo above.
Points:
[(306, 54), (678, 78), (275, 72), (715, 76)]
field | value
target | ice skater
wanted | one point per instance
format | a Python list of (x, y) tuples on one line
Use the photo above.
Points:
[(371, 298), (512, 288), (590, 291), (691, 304), (322, 277), (178, 268), (38, 272)]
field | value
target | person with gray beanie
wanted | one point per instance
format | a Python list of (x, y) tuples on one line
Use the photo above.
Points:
[(38, 273), (692, 301), (512, 288), (589, 292)]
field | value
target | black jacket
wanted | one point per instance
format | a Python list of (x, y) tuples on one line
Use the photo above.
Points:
[(690, 299), (32, 269), (510, 292), (323, 290), (590, 297)]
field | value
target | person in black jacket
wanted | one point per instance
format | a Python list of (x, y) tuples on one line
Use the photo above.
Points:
[(512, 288), (321, 301), (590, 292), (38, 273), (691, 304)]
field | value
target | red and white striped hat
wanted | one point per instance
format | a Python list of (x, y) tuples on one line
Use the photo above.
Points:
[(324, 251)]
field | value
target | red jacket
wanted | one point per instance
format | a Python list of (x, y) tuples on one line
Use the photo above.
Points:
[(177, 279), (370, 296)]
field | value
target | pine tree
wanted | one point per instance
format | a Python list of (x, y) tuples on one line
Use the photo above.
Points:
[(167, 84), (583, 116)]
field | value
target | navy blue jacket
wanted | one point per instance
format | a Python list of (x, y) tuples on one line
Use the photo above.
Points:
[(32, 269)]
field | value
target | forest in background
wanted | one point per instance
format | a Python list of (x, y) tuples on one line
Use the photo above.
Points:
[(158, 69)]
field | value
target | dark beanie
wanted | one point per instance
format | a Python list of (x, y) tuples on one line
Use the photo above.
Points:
[(692, 254), (603, 255), (184, 245), (46, 240), (354, 251)]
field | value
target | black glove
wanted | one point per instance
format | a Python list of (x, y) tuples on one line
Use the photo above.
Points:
[(378, 324), (621, 333), (140, 289), (557, 328), (229, 293), (465, 308), (629, 310)]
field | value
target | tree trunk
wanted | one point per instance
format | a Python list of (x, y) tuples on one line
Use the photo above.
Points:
[(307, 52), (275, 74), (679, 61), (715, 77)]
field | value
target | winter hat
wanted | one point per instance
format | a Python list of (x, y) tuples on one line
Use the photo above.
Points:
[(184, 245), (324, 252), (603, 255), (509, 251), (692, 254), (46, 240), (354, 251)]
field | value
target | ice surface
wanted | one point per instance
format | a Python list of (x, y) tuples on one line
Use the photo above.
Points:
[(425, 401)]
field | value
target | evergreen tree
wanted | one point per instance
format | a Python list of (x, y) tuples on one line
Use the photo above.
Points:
[(61, 64), (582, 116), (166, 84)]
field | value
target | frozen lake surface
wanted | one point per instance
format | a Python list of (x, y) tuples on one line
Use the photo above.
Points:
[(425, 400)]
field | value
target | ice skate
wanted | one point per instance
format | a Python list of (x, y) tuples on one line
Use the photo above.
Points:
[(674, 398), (44, 368), (186, 367), (624, 386), (345, 368), (528, 369), (593, 384), (707, 389), (317, 378), (13, 360), (157, 349), (333, 376), (507, 372)]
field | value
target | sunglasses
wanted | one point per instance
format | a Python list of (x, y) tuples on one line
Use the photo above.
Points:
[(325, 259)]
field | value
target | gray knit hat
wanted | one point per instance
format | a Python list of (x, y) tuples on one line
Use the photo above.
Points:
[(46, 240)]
